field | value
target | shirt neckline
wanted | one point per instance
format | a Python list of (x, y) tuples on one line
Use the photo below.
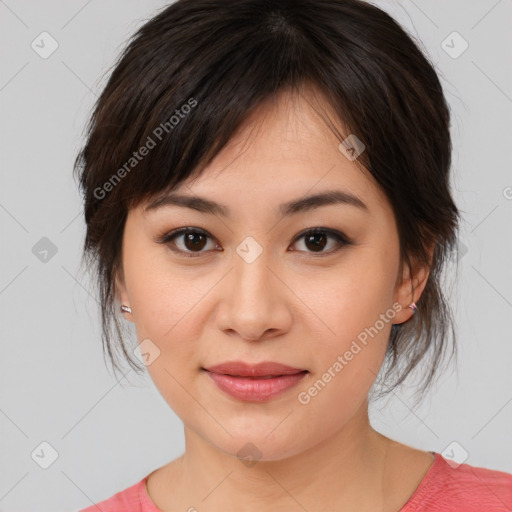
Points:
[(416, 497), (423, 487)]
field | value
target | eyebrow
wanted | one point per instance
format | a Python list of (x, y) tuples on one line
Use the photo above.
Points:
[(295, 206)]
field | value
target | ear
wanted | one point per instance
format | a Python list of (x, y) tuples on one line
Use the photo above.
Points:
[(121, 293), (410, 285)]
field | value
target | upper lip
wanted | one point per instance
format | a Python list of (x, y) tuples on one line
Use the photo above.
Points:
[(264, 369)]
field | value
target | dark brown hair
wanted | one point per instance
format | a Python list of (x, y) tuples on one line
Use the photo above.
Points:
[(194, 72)]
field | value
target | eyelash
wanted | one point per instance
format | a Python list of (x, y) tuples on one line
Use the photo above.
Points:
[(168, 237)]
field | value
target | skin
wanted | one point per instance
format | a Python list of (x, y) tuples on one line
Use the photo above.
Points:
[(289, 305)]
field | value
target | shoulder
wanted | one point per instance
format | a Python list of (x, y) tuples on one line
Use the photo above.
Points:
[(451, 487), (128, 500)]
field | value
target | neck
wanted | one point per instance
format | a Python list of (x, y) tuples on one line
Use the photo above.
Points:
[(335, 473)]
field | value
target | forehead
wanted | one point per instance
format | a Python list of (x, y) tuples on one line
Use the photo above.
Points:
[(284, 150)]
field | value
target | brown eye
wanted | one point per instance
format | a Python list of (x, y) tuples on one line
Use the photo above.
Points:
[(187, 241), (316, 242), (317, 239), (194, 241)]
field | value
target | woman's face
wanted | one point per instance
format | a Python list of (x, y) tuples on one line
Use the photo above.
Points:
[(249, 287)]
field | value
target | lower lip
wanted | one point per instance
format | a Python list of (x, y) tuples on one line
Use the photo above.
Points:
[(254, 389)]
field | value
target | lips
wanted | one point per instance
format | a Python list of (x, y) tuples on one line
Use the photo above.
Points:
[(264, 370), (254, 383)]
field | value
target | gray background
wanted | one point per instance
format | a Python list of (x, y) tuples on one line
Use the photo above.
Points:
[(54, 385)]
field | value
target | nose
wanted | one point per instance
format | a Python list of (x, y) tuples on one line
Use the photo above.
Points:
[(255, 301)]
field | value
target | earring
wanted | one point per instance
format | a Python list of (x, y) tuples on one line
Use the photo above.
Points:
[(125, 309), (413, 306)]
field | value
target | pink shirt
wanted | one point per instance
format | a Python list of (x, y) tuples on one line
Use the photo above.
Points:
[(443, 489)]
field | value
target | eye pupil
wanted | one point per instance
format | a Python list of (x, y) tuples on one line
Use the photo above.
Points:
[(318, 240), (194, 239)]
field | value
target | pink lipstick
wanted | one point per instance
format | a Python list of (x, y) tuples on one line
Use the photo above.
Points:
[(254, 382)]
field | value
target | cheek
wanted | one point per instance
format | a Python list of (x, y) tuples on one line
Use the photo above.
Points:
[(347, 362), (354, 314), (165, 304), (163, 295), (351, 296)]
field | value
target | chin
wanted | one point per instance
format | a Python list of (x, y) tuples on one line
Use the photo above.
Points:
[(259, 447)]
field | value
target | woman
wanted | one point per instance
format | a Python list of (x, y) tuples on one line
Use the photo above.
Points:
[(267, 199)]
